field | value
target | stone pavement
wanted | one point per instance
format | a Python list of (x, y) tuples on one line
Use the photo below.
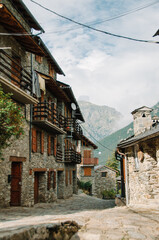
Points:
[(99, 219)]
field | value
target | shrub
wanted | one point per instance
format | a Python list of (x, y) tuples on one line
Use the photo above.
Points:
[(108, 194), (11, 119), (84, 185)]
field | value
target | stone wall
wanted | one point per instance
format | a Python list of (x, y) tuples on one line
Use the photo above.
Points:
[(18, 148), (143, 183), (104, 183)]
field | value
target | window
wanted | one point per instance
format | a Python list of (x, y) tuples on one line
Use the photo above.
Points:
[(39, 59), (54, 179), (87, 172), (37, 141), (104, 174), (51, 145), (51, 180), (52, 72)]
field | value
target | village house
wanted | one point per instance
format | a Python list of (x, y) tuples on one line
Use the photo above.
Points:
[(141, 164), (101, 177), (41, 166), (86, 168), (105, 180)]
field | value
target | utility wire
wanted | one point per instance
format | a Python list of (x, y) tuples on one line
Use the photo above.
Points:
[(94, 29), (97, 140), (112, 18)]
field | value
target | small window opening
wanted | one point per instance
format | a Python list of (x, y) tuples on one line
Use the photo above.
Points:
[(143, 115)]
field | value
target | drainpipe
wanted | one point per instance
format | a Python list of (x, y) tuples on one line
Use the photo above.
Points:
[(31, 114), (126, 182)]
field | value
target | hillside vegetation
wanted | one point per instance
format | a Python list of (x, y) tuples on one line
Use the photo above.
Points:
[(112, 140)]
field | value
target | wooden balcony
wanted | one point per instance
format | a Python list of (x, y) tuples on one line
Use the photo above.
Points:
[(15, 79), (74, 128), (48, 118), (59, 155), (90, 161), (71, 156)]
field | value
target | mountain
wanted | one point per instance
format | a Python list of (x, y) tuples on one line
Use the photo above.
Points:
[(112, 140), (100, 121)]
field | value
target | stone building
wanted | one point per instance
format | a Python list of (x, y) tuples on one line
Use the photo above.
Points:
[(104, 179), (141, 165), (41, 165), (86, 168), (101, 177)]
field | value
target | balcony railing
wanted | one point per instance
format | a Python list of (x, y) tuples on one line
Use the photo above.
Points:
[(71, 156), (59, 155), (13, 71), (90, 161), (43, 112), (72, 126)]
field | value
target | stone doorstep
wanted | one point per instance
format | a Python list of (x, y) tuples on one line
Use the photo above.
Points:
[(41, 232)]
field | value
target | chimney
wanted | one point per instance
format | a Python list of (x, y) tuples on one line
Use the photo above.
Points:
[(142, 119)]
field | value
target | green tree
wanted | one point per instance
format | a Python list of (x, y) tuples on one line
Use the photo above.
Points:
[(113, 163), (11, 119)]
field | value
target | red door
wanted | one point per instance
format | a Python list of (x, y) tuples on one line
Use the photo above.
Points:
[(36, 187), (16, 184)]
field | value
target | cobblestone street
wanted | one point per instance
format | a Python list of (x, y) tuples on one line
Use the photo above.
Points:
[(100, 219)]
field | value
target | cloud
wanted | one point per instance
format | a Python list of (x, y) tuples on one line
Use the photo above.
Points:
[(111, 71)]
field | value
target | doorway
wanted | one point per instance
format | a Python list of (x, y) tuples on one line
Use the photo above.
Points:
[(60, 184), (16, 176)]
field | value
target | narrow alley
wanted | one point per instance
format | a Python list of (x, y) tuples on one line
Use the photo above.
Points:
[(99, 219)]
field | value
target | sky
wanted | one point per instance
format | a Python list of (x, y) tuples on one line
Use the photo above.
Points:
[(109, 71)]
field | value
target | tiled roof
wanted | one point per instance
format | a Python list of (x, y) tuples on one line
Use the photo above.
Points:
[(153, 132)]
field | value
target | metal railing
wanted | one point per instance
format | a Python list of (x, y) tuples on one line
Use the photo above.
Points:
[(14, 72), (46, 111)]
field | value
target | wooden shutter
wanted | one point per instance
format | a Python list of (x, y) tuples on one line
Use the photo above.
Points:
[(65, 113), (34, 140), (38, 58), (66, 177), (51, 70), (70, 176), (54, 179), (87, 171), (55, 115), (49, 181), (49, 145), (65, 144), (87, 153), (42, 142), (55, 146)]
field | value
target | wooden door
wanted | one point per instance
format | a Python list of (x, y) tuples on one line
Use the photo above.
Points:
[(36, 187), (16, 70), (16, 173)]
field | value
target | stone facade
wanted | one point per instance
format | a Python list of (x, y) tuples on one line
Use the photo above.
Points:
[(32, 174), (101, 177), (143, 180), (105, 179), (142, 165)]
